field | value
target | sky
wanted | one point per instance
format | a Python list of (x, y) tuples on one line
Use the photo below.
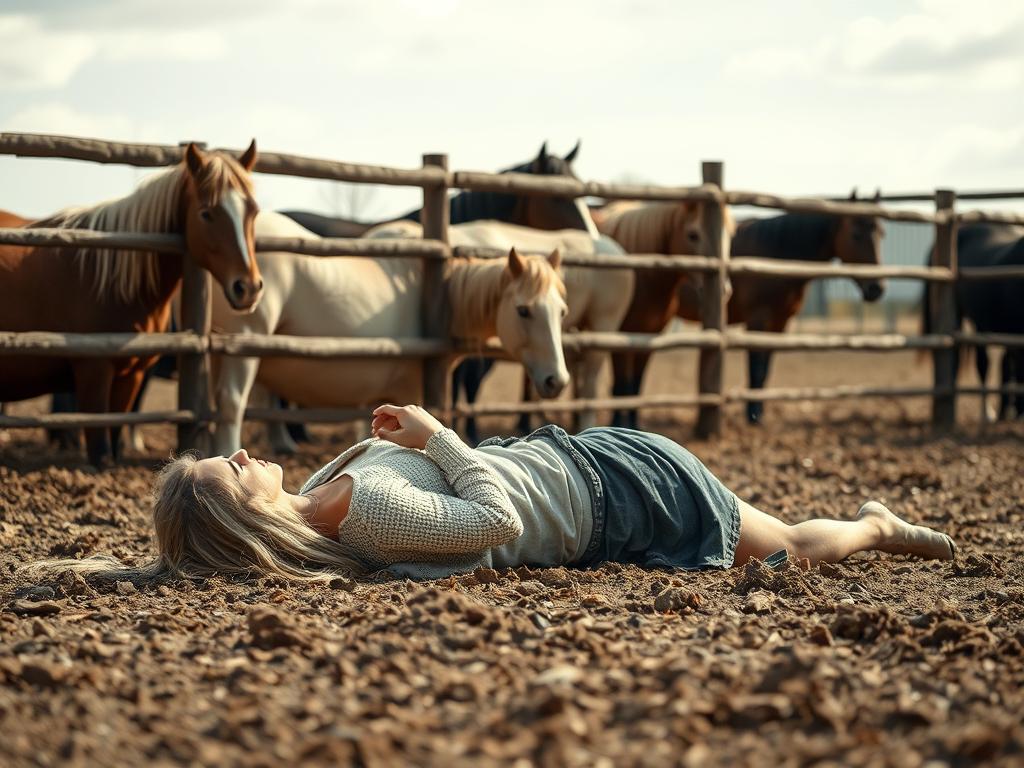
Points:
[(795, 96)]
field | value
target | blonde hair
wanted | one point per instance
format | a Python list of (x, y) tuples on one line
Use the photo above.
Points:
[(208, 525)]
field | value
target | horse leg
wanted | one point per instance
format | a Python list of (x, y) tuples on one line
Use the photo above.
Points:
[(585, 386), (472, 379), (622, 373), (93, 382), (296, 430), (124, 394), (524, 424), (981, 363), (758, 363), (1017, 377), (234, 383), (66, 439), (279, 433)]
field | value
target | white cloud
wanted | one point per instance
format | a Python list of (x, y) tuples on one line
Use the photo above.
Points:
[(179, 45), (34, 58), (975, 44), (54, 117)]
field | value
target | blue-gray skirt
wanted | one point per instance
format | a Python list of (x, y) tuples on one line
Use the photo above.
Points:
[(655, 503)]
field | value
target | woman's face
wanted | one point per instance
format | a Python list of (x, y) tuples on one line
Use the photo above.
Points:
[(254, 475)]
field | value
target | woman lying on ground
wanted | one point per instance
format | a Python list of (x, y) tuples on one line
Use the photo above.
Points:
[(414, 499)]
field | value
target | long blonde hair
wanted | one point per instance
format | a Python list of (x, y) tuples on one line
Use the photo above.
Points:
[(207, 526)]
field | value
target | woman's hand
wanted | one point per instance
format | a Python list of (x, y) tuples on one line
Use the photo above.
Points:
[(409, 425)]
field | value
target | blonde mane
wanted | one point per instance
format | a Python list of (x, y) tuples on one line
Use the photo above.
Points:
[(154, 207), (475, 288), (648, 227)]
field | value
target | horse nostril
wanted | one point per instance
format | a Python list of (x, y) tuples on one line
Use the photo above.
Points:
[(238, 288), (259, 285), (551, 384)]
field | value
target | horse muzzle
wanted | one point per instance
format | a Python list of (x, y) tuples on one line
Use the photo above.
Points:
[(551, 385), (244, 294), (873, 290)]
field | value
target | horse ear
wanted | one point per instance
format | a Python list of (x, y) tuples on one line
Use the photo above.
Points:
[(853, 193), (194, 159), (573, 152), (541, 161), (555, 259), (515, 263), (248, 158)]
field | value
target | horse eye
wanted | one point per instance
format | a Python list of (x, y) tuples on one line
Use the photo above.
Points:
[(693, 237), (523, 311), (205, 215)]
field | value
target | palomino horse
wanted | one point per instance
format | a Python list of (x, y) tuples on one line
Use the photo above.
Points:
[(537, 211), (992, 306), (597, 298), (208, 199), (670, 228), (767, 303), (520, 299)]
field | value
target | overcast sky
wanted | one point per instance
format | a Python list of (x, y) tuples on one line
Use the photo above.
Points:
[(796, 96)]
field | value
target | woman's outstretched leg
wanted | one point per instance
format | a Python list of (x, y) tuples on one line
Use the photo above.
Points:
[(876, 528)]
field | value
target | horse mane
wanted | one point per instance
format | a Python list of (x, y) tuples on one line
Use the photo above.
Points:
[(153, 206), (475, 287), (640, 227), (791, 235)]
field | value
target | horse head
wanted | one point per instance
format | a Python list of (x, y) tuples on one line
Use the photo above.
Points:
[(551, 212), (529, 319), (689, 235), (858, 240), (219, 215)]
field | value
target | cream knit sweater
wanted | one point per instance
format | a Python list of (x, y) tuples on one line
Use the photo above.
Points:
[(450, 508)]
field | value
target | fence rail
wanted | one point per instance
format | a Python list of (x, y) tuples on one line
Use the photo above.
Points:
[(435, 180)]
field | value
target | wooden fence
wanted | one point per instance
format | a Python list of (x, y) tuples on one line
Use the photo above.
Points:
[(194, 343)]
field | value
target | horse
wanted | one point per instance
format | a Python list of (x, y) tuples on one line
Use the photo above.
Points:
[(597, 299), (992, 306), (670, 228), (208, 199), (767, 303), (537, 211), (519, 299)]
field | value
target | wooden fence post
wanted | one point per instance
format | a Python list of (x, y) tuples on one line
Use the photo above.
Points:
[(713, 306), (942, 310), (437, 381), (194, 367)]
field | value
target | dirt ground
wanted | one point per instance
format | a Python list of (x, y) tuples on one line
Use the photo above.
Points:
[(880, 660)]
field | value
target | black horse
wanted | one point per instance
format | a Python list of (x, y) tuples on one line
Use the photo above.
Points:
[(992, 306)]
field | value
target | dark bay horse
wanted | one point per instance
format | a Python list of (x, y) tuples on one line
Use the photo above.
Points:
[(992, 306), (767, 303), (537, 211), (208, 199)]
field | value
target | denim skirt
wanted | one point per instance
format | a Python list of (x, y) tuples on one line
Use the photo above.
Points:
[(655, 503)]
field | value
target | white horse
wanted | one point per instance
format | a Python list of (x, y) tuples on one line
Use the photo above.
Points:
[(520, 299), (598, 298)]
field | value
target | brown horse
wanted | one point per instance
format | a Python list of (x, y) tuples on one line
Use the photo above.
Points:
[(671, 228), (208, 199), (767, 303)]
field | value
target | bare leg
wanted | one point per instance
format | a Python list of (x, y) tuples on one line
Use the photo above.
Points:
[(831, 540)]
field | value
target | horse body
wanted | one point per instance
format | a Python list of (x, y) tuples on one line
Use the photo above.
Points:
[(993, 306), (208, 199), (768, 303), (670, 228), (519, 300), (537, 211), (597, 298)]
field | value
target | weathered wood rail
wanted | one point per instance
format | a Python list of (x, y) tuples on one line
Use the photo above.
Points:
[(196, 343)]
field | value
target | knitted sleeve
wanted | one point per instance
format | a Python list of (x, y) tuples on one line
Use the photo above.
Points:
[(396, 519)]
